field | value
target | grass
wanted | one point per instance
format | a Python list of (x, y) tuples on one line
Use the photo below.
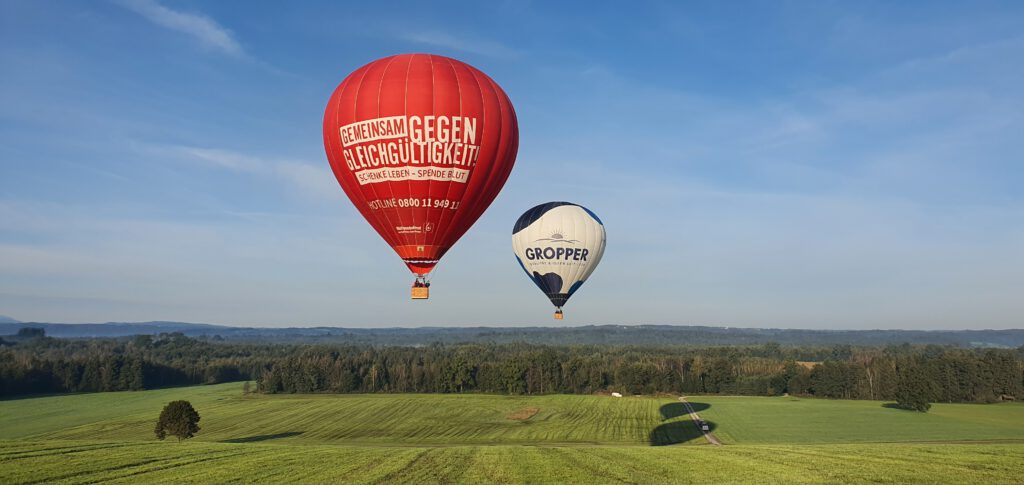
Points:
[(502, 439), (757, 420), (407, 419), (133, 462)]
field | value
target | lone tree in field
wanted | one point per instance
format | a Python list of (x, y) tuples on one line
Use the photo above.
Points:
[(179, 419)]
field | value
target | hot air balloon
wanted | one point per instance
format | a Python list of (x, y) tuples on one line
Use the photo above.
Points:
[(421, 144), (558, 244)]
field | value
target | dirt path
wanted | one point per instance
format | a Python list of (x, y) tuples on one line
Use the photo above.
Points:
[(696, 421)]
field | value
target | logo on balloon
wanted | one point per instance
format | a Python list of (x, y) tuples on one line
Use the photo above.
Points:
[(408, 229), (557, 237), (375, 149), (564, 254)]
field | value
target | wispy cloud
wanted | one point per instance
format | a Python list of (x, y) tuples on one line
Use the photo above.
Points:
[(463, 44), (306, 178), (92, 262), (203, 28)]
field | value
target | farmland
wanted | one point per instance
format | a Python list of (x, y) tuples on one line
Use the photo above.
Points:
[(428, 419), (218, 462), (476, 437), (767, 420)]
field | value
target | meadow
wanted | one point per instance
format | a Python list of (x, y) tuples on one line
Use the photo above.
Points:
[(474, 438), (404, 419), (793, 420), (132, 462)]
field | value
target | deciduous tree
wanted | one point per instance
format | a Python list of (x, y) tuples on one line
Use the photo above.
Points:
[(179, 419)]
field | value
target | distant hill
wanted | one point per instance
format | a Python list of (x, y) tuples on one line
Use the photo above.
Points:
[(588, 335), (112, 329), (7, 319)]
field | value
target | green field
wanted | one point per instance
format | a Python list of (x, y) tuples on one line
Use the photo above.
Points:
[(509, 439), (51, 461), (750, 420), (403, 419)]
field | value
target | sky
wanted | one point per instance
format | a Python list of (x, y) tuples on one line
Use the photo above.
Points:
[(832, 165)]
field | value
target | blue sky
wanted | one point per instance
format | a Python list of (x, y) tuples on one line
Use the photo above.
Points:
[(766, 164)]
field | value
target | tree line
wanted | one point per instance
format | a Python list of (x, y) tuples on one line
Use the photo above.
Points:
[(940, 373), (48, 365), (945, 374)]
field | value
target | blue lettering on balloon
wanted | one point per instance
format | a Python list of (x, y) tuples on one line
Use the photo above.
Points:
[(575, 254)]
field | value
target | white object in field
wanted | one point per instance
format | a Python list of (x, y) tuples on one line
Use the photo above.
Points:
[(615, 394)]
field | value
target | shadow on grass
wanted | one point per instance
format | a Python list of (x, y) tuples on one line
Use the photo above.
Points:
[(892, 405), (262, 437), (678, 432), (682, 430), (676, 409)]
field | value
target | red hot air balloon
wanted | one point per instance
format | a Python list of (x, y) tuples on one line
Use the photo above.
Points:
[(421, 144)]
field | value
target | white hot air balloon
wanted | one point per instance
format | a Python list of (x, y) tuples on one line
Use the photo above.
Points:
[(558, 244)]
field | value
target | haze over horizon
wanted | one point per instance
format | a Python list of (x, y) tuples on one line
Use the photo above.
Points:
[(808, 165)]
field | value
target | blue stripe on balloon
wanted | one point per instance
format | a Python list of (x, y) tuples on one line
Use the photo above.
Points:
[(530, 216)]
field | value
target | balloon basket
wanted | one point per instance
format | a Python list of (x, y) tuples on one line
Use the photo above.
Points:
[(558, 315), (420, 288)]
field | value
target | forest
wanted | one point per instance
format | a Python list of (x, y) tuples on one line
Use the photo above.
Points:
[(32, 363)]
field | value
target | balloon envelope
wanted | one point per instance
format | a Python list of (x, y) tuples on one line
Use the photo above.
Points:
[(421, 144), (558, 244)]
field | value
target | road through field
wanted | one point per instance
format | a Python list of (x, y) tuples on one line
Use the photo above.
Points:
[(697, 421)]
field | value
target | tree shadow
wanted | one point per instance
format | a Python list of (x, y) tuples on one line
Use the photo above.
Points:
[(676, 409), (262, 437), (678, 432), (892, 405)]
